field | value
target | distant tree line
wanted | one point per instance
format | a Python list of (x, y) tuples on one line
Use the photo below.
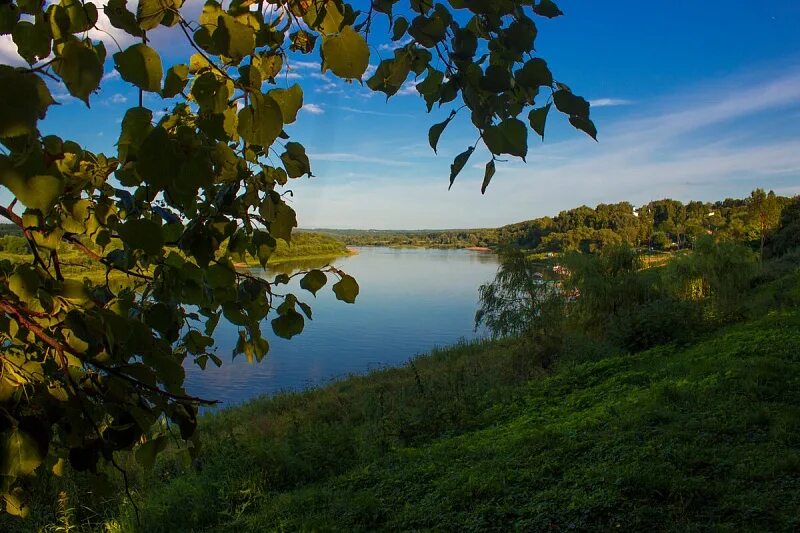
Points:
[(659, 225), (611, 301)]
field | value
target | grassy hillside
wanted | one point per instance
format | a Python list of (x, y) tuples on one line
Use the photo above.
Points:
[(305, 245), (673, 438)]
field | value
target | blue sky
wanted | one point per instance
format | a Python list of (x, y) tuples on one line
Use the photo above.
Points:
[(693, 100)]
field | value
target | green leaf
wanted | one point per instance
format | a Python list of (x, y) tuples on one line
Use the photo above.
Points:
[(508, 137), (80, 68), (17, 503), (269, 65), (24, 283), (547, 8), (488, 175), (346, 289), (141, 66), (210, 92), (324, 16), (458, 164), (313, 281), (221, 276), (175, 82), (33, 40), (585, 125), (571, 104), (285, 221), (534, 74), (538, 119), (20, 454), (520, 35), (261, 246), (295, 160), (289, 100), (306, 309), (233, 39), (261, 122), (72, 16), (24, 99), (436, 131), (400, 28), (196, 342), (119, 17), (391, 74), (35, 192), (142, 234), (288, 325), (346, 54), (496, 80), (136, 125), (158, 161), (431, 87), (428, 31), (302, 42), (146, 453), (9, 15), (150, 13)]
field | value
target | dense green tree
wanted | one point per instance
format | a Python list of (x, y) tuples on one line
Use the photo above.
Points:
[(765, 212), (87, 369)]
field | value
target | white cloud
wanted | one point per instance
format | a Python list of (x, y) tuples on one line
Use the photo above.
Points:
[(395, 45), (112, 37), (361, 111), (310, 65), (118, 99), (706, 142), (8, 52), (409, 88), (609, 102), (341, 157), (314, 109)]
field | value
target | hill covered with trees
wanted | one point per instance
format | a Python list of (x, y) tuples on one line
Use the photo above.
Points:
[(660, 225)]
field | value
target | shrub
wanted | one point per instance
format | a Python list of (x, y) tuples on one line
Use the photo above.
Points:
[(657, 322)]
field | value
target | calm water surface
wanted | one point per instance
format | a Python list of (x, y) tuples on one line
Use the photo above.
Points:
[(410, 301)]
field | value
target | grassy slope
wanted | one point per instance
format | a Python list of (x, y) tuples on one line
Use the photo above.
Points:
[(667, 439)]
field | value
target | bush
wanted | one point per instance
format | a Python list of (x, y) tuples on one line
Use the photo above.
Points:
[(654, 323), (14, 245), (718, 272)]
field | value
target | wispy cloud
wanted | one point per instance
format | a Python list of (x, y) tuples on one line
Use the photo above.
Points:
[(111, 75), (395, 45), (371, 112), (409, 88), (118, 99), (314, 109), (343, 157), (706, 142), (609, 102)]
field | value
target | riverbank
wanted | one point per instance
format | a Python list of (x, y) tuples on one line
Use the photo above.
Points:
[(477, 437), (252, 263)]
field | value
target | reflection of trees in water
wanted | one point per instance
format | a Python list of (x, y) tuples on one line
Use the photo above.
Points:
[(290, 267)]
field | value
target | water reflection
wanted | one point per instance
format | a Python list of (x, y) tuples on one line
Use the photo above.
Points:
[(410, 301)]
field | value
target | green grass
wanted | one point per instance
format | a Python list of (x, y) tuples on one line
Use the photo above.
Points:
[(695, 438)]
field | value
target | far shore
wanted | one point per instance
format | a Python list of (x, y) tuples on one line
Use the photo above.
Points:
[(350, 251)]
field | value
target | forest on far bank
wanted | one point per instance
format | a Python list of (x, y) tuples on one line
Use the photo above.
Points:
[(658, 225)]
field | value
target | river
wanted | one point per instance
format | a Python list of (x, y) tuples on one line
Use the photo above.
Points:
[(411, 300)]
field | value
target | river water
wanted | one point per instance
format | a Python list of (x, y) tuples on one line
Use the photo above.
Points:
[(411, 300)]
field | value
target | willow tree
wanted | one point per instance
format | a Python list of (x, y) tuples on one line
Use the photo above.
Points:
[(89, 369)]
